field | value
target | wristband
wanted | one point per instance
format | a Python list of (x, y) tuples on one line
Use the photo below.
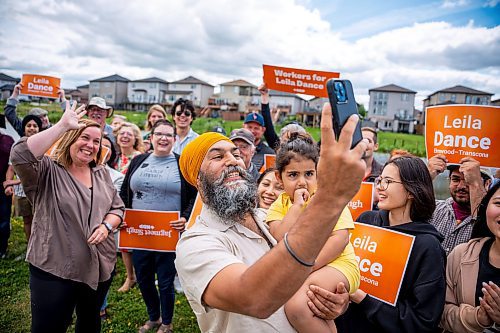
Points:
[(108, 226), (289, 249)]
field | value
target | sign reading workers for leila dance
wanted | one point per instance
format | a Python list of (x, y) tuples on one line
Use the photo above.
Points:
[(298, 81), (149, 230), (382, 269), (40, 85), (459, 131)]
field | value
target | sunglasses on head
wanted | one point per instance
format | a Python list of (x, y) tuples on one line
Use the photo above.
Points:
[(187, 113)]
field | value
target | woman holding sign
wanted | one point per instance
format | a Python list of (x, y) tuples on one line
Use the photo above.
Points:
[(154, 182), (473, 274), (406, 202), (71, 250)]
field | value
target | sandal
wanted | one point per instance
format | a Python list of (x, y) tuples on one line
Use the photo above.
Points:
[(164, 329), (129, 283), (150, 325)]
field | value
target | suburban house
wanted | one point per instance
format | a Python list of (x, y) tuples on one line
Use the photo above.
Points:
[(238, 93), (80, 94), (287, 103), (146, 92), (457, 95), (191, 88), (7, 84), (112, 88), (392, 108)]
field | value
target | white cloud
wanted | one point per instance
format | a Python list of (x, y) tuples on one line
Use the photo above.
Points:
[(223, 40), (491, 3), (454, 3)]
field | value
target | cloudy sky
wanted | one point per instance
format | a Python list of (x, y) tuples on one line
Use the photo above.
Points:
[(421, 45)]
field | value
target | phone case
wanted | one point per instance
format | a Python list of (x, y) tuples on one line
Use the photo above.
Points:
[(343, 106)]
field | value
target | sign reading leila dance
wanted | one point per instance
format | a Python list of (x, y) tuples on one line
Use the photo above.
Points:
[(40, 85), (459, 131)]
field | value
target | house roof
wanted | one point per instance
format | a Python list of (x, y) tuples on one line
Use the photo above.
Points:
[(393, 88), (458, 89), (151, 79), (190, 80), (7, 86), (239, 83), (5, 77), (111, 78)]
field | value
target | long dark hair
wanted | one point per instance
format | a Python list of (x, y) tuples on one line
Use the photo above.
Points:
[(417, 181), (480, 228)]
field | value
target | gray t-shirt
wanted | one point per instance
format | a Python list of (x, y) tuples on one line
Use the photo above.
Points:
[(156, 184)]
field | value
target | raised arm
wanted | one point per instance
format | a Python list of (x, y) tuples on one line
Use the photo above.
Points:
[(272, 138), (340, 171), (39, 143), (10, 110), (477, 187)]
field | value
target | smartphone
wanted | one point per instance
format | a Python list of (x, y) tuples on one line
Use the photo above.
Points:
[(341, 96)]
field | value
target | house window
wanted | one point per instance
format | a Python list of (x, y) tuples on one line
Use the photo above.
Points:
[(193, 86), (221, 89), (405, 97), (108, 96), (171, 98), (468, 99), (95, 85), (107, 84), (442, 97), (152, 85), (133, 85), (236, 89), (453, 98)]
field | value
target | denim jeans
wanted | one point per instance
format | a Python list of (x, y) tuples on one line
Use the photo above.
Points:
[(161, 300)]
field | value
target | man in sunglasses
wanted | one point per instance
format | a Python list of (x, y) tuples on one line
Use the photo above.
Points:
[(183, 115), (455, 216)]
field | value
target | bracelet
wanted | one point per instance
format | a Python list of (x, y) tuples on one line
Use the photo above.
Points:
[(289, 249)]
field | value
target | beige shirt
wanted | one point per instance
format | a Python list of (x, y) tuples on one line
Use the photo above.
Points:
[(203, 251), (66, 213)]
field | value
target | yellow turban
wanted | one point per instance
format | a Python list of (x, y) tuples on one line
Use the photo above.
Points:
[(192, 156)]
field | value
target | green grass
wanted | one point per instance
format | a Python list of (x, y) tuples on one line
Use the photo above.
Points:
[(387, 140), (126, 310)]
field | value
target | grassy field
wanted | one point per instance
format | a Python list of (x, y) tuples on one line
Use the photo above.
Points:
[(126, 310), (387, 140)]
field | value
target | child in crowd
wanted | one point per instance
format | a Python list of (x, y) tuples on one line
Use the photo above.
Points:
[(296, 163)]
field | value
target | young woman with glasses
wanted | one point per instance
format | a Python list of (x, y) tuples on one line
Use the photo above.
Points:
[(406, 202)]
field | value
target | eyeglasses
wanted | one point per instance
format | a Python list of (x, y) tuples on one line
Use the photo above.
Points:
[(125, 134), (96, 109), (186, 112), (161, 135), (383, 183)]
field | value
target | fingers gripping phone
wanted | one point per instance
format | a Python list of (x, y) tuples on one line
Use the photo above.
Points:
[(341, 96)]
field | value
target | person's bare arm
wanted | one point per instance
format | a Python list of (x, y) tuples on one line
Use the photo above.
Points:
[(472, 175), (239, 288), (279, 228), (333, 248), (39, 143)]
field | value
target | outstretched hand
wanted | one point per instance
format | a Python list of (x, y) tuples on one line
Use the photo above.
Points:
[(72, 116)]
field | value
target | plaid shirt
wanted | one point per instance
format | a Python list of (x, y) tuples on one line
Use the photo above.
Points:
[(445, 222)]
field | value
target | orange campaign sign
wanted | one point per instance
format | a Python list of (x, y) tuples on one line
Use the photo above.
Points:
[(362, 201), (40, 85), (149, 230), (298, 81), (269, 162), (198, 205), (459, 131), (382, 269)]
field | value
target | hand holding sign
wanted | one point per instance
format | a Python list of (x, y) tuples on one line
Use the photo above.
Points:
[(437, 165), (17, 89)]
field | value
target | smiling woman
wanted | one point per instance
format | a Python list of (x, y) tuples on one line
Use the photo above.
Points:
[(74, 269)]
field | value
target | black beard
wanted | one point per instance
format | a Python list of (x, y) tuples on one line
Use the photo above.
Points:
[(230, 202)]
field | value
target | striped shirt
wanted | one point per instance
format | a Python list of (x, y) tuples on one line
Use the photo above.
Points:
[(446, 223)]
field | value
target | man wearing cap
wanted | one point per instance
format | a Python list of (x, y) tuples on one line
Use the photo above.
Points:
[(14, 120), (235, 275), (455, 216), (244, 139), (254, 122)]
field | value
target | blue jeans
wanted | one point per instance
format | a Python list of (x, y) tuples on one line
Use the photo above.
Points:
[(5, 211), (147, 264)]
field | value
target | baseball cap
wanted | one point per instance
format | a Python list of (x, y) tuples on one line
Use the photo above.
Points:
[(219, 129), (254, 117), (101, 103), (242, 134), (38, 112)]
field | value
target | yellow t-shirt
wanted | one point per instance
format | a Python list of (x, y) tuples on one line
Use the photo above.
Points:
[(346, 262)]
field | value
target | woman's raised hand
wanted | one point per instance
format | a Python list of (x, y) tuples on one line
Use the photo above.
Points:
[(72, 116)]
